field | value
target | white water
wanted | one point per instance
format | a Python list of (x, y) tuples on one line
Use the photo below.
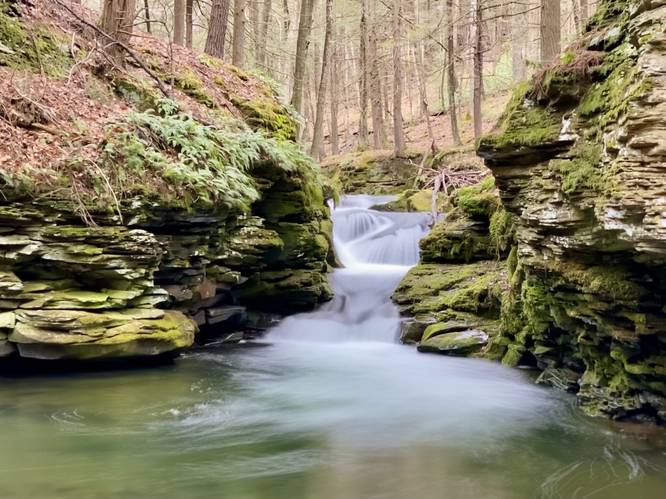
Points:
[(347, 369)]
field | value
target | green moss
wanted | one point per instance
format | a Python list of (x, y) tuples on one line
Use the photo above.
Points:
[(169, 157), (270, 116), (190, 84), (584, 171), (457, 240), (139, 94), (609, 12), (446, 290), (502, 230), (478, 201), (524, 124), (512, 261), (34, 48)]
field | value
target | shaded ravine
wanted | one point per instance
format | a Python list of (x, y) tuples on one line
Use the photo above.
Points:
[(328, 405)]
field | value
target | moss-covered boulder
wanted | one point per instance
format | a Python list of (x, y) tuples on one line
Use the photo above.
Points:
[(475, 227), (446, 298), (463, 343), (285, 291), (372, 172), (79, 335), (577, 160)]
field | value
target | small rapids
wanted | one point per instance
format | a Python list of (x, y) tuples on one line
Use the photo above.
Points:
[(327, 406)]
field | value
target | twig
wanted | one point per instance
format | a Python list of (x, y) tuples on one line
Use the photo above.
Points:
[(129, 51)]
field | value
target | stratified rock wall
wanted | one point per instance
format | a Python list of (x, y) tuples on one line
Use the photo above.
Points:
[(73, 291), (581, 161)]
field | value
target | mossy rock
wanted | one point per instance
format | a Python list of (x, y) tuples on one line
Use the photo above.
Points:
[(463, 343), (85, 335), (457, 240), (285, 291), (413, 200), (34, 48), (372, 172)]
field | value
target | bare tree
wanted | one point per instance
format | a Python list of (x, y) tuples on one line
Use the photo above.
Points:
[(217, 28), (398, 133), (179, 22), (302, 44), (477, 56), (117, 21), (238, 47), (263, 33), (550, 30), (375, 83), (318, 133), (333, 72), (451, 74), (146, 15), (189, 22), (363, 78)]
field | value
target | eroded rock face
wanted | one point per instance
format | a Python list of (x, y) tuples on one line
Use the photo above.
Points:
[(69, 291), (580, 160)]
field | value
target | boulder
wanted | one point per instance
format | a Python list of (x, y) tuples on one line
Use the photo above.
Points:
[(462, 343)]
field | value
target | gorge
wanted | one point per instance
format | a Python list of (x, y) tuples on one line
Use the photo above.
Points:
[(327, 405), (191, 306)]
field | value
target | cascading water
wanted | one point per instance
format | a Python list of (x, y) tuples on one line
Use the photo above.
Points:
[(328, 406), (376, 249)]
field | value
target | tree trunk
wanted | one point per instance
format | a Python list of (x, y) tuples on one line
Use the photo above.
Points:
[(284, 38), (398, 132), (117, 21), (302, 43), (478, 67), (238, 47), (146, 15), (518, 37), (333, 72), (189, 24), (550, 30), (179, 22), (584, 13), (375, 87), (318, 131), (451, 75), (263, 34), (363, 78), (217, 28), (575, 7)]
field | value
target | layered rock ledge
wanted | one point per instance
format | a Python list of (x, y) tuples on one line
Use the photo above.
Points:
[(580, 161), (145, 219)]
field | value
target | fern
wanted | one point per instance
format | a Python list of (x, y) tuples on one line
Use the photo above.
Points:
[(171, 154)]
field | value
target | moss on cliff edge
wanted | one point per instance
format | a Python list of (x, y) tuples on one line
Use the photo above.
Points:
[(33, 48)]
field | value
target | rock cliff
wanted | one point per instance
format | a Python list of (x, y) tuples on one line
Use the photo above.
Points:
[(130, 220), (579, 159)]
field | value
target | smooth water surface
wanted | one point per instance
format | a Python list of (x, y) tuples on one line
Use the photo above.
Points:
[(327, 406)]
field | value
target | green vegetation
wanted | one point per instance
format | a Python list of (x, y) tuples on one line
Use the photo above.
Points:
[(524, 123), (190, 84), (170, 156), (584, 171), (478, 201), (35, 49)]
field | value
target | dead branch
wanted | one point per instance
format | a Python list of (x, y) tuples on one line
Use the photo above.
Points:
[(133, 55)]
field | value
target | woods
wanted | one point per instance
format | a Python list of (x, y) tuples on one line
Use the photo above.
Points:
[(360, 72)]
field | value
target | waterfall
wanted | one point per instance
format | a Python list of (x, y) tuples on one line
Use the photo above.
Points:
[(377, 249)]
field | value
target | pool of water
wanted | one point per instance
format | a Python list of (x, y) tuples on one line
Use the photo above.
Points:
[(323, 421), (326, 406)]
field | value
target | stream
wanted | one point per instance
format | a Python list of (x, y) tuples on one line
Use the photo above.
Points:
[(328, 405)]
